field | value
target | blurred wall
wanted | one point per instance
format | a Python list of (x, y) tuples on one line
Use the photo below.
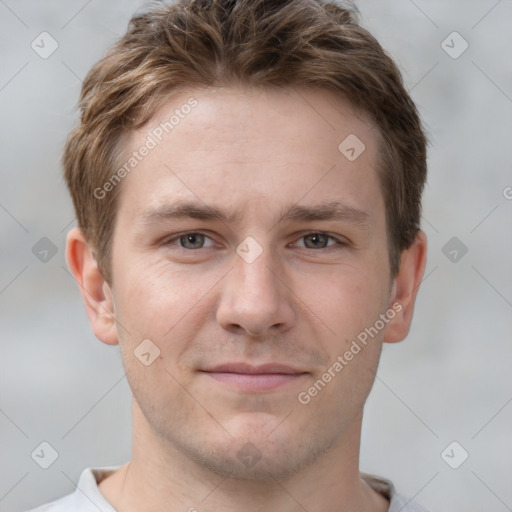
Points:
[(448, 382)]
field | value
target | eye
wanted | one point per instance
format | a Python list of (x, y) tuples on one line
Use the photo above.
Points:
[(194, 240), (319, 240), (190, 241)]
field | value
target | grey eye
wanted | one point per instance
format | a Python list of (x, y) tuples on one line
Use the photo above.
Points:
[(192, 240)]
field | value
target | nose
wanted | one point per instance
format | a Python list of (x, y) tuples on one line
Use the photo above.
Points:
[(256, 298)]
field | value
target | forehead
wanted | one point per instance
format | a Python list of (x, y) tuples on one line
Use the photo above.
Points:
[(305, 113), (270, 145)]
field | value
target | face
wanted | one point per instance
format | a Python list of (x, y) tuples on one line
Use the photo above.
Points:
[(252, 253)]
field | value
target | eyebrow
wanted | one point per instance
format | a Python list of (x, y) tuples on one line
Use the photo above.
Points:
[(333, 210)]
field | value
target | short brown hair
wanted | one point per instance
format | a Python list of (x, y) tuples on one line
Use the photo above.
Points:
[(261, 43)]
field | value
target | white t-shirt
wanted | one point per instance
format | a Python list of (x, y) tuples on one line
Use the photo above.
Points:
[(88, 498)]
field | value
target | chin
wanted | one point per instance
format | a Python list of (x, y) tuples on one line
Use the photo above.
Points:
[(255, 455)]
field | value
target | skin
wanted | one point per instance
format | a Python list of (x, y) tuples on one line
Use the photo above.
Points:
[(301, 302)]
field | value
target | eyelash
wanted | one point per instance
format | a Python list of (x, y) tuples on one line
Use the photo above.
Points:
[(339, 242)]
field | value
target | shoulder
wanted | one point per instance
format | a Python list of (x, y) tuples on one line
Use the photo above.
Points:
[(85, 498), (401, 503), (397, 502)]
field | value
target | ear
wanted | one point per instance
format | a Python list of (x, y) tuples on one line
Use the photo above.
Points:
[(405, 288), (95, 290)]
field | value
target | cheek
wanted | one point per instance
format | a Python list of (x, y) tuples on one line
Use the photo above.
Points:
[(163, 304), (347, 299), (351, 309), (149, 287), (145, 304)]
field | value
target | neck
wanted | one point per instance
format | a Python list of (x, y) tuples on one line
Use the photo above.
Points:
[(159, 478)]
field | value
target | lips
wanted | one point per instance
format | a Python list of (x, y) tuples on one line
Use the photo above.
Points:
[(246, 377), (245, 368)]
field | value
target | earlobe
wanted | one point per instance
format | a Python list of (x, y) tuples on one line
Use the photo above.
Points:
[(405, 289), (95, 290)]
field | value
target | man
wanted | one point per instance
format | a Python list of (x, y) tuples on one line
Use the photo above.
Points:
[(247, 178)]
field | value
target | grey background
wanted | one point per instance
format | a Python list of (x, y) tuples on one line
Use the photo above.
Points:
[(449, 381)]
